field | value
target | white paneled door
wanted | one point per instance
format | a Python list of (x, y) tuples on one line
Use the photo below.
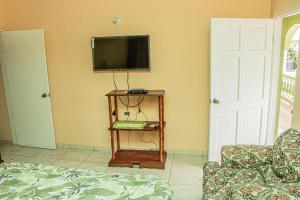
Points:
[(24, 68), (241, 51)]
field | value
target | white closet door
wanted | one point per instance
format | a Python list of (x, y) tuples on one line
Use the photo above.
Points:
[(26, 87), (241, 51)]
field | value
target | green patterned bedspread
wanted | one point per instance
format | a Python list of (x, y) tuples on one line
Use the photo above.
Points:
[(35, 181)]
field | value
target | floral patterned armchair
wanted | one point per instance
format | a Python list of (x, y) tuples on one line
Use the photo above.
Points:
[(256, 172)]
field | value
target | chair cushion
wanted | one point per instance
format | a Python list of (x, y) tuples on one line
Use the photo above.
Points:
[(270, 177), (286, 156), (291, 188), (221, 184), (256, 190), (246, 156)]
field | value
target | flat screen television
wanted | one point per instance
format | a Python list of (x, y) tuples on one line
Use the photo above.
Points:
[(121, 53)]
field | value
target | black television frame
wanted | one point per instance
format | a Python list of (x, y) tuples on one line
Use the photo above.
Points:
[(117, 37)]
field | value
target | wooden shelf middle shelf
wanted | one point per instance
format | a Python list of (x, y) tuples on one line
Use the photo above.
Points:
[(146, 128)]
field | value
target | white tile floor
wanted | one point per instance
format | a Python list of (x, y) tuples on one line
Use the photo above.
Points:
[(183, 173)]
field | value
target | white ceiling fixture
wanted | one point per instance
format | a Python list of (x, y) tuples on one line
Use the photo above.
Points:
[(117, 20)]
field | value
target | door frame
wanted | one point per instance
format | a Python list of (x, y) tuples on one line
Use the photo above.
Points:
[(275, 72), (274, 81), (8, 95)]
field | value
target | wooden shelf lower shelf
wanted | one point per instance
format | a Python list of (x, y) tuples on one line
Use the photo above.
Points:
[(141, 158)]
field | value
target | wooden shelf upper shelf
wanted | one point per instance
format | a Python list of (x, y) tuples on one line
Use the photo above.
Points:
[(146, 128), (156, 93)]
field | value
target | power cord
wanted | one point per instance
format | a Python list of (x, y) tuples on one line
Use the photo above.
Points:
[(147, 142), (128, 99), (138, 104), (142, 135), (128, 87), (128, 81)]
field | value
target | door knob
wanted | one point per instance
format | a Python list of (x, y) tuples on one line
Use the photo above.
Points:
[(216, 101), (44, 95)]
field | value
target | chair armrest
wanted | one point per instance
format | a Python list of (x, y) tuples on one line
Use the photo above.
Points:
[(246, 156), (209, 169)]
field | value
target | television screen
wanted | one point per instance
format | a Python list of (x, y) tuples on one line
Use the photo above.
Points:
[(121, 53)]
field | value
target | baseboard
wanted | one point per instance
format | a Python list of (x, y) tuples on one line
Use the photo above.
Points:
[(108, 150), (6, 142)]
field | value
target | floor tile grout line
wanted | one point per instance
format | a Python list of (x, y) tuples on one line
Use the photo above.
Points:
[(169, 178), (85, 159)]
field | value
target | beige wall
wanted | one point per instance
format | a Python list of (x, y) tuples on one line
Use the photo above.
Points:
[(283, 6), (1, 14), (179, 33)]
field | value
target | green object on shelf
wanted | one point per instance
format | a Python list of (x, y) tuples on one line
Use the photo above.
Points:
[(122, 124)]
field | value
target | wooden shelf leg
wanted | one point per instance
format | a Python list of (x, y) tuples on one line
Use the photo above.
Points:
[(161, 128), (117, 118), (118, 141), (111, 132), (112, 144)]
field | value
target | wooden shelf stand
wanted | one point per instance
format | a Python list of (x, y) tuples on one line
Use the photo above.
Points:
[(133, 158)]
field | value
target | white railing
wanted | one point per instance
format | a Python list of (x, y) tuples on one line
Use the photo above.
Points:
[(286, 103), (288, 89)]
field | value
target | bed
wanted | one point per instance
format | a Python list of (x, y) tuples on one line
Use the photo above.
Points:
[(35, 181)]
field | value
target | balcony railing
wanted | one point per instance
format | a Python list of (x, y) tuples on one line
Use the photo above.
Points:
[(286, 103), (288, 89)]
